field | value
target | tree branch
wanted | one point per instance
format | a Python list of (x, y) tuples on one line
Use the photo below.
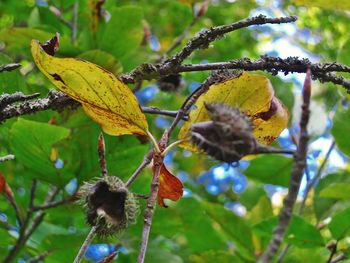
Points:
[(26, 231), (339, 258), (7, 99), (85, 245), (9, 67), (202, 40), (149, 211), (54, 204), (39, 257), (7, 158), (205, 37), (58, 101), (146, 161), (313, 181), (296, 176)]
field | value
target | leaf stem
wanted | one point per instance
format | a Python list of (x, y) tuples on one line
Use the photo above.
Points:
[(101, 150), (154, 141), (172, 145)]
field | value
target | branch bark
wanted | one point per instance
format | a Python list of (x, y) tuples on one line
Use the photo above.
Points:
[(9, 67), (58, 101), (7, 158), (200, 41), (296, 176)]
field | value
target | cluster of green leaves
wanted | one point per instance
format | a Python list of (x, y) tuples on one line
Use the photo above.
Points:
[(197, 228)]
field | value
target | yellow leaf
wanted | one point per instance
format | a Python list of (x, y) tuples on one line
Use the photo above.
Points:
[(104, 98), (326, 4), (254, 96)]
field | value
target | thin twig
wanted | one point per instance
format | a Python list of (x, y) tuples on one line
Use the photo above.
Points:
[(205, 37), (21, 237), (9, 67), (190, 100), (109, 258), (334, 246), (55, 203), (272, 150), (339, 258), (155, 110), (101, 150), (8, 157), (148, 214), (182, 36), (75, 22), (296, 176), (309, 186), (27, 230), (54, 10), (313, 181), (17, 211), (201, 40), (85, 245), (146, 161), (39, 257)]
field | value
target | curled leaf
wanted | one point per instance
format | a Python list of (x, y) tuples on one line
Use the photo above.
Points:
[(170, 187), (251, 94), (104, 98)]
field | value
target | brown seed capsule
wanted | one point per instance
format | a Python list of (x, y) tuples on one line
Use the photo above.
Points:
[(170, 83), (228, 136), (109, 205)]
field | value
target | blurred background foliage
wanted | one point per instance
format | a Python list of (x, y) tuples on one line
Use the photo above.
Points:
[(228, 210)]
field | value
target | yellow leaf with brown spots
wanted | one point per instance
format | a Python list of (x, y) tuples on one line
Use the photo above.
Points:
[(104, 98), (254, 96)]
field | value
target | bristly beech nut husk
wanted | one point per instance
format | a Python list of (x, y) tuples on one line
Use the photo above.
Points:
[(110, 206), (228, 136), (170, 83)]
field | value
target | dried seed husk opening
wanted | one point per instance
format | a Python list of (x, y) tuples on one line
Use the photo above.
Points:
[(110, 206)]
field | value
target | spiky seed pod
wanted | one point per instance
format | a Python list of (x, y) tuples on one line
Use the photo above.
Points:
[(109, 205), (170, 83), (228, 136)]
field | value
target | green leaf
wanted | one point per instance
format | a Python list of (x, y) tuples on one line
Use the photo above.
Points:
[(190, 218), (341, 126), (300, 232), (340, 224), (233, 226), (32, 143), (6, 240), (12, 81), (18, 38), (123, 33), (336, 191), (322, 205), (251, 196), (270, 169), (261, 210), (215, 256), (296, 255)]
